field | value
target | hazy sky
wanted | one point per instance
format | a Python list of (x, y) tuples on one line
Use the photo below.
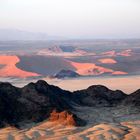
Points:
[(73, 18)]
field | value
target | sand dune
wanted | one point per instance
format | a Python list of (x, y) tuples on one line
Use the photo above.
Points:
[(119, 73), (113, 53), (89, 69), (107, 61), (10, 70), (93, 69), (28, 66)]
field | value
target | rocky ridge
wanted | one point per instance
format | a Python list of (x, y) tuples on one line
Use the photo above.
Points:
[(39, 101)]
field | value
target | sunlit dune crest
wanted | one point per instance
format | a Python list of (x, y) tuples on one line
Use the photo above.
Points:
[(119, 73), (107, 61), (10, 69), (93, 69), (89, 68)]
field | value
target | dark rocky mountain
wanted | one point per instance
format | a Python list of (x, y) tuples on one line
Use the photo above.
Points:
[(33, 102), (133, 99), (38, 101), (66, 73), (98, 95)]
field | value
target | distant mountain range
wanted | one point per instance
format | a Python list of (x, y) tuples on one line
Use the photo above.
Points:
[(15, 34)]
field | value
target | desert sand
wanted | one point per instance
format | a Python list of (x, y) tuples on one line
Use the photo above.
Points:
[(103, 124), (9, 68), (107, 61), (128, 84)]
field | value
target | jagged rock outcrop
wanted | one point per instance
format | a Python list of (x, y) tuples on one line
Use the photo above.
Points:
[(66, 73), (66, 118)]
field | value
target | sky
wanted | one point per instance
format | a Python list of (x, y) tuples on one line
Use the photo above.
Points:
[(73, 18)]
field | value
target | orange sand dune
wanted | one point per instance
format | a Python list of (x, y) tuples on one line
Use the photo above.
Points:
[(89, 69), (93, 69), (119, 73), (107, 61), (10, 68)]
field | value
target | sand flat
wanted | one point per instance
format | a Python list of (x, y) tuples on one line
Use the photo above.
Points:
[(128, 84)]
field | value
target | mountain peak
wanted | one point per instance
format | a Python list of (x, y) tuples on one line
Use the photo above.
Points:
[(42, 82), (98, 87)]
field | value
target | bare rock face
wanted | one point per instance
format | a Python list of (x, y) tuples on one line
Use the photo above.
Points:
[(66, 118)]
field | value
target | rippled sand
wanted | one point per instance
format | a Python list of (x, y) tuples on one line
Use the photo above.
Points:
[(103, 124)]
